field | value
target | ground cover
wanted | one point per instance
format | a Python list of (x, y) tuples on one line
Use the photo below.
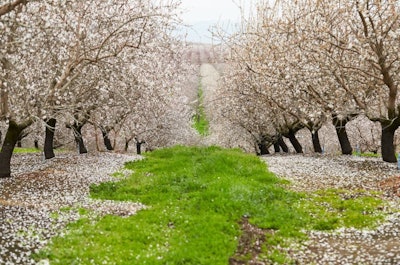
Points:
[(200, 121), (207, 205)]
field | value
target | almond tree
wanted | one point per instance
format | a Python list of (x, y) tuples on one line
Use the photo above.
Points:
[(341, 57), (373, 36), (356, 45), (49, 45)]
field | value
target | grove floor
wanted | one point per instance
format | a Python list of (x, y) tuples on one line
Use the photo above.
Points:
[(32, 203)]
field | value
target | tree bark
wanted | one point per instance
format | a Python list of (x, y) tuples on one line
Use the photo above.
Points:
[(49, 138), (106, 139), (283, 145), (126, 146), (388, 149), (277, 147), (12, 135), (77, 128), (263, 148), (340, 127), (138, 148), (293, 140), (315, 141)]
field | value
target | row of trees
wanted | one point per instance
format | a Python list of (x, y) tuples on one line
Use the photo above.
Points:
[(300, 64), (113, 64)]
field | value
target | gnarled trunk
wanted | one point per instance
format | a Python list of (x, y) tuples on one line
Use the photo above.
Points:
[(13, 133), (49, 139), (293, 140), (340, 127), (126, 146), (315, 141), (263, 148), (283, 145), (106, 139), (77, 128), (138, 148), (277, 147), (388, 149)]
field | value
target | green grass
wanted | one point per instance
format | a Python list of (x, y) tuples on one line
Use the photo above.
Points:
[(341, 208), (367, 154), (20, 150), (200, 122), (196, 197)]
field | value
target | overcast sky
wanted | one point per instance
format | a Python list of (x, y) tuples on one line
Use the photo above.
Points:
[(204, 10), (202, 14)]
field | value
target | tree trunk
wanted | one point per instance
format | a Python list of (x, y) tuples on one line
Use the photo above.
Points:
[(296, 144), (277, 148), (12, 136), (107, 141), (138, 148), (340, 127), (49, 138), (388, 150), (36, 143), (126, 146), (263, 149), (77, 128), (315, 141), (283, 145)]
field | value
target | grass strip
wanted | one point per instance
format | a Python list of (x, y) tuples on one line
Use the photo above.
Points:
[(196, 198), (200, 121)]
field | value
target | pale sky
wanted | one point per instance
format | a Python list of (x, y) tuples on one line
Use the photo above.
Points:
[(202, 14), (205, 10)]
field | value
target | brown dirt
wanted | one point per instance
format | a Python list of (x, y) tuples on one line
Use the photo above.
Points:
[(250, 244)]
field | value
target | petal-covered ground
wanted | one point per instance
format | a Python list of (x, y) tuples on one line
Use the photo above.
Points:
[(345, 246), (43, 196)]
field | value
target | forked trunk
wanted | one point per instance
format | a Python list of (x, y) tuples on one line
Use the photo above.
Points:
[(12, 136), (49, 138)]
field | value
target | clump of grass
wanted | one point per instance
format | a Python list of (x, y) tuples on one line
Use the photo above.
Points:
[(341, 208), (20, 150), (366, 154), (200, 121), (196, 197)]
